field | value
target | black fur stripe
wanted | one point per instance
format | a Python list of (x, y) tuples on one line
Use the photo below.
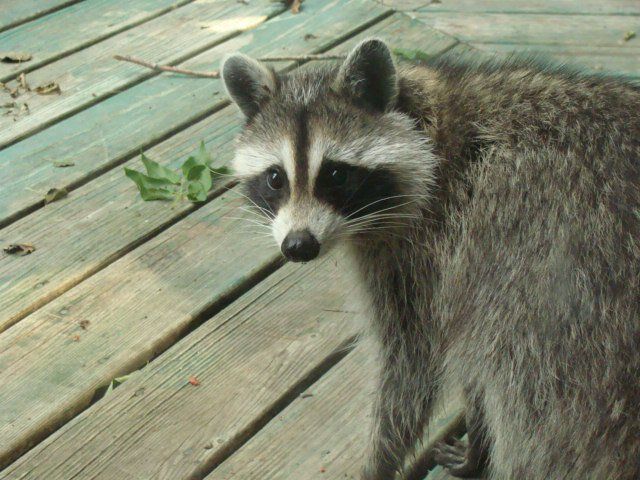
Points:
[(301, 150)]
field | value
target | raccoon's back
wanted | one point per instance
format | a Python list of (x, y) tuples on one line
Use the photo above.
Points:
[(539, 302)]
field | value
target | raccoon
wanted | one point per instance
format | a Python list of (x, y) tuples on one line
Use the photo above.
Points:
[(493, 213)]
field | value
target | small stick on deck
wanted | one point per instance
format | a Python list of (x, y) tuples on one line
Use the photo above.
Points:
[(303, 58), (166, 68), (216, 74)]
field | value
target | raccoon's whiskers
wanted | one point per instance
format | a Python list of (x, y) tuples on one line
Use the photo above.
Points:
[(385, 199)]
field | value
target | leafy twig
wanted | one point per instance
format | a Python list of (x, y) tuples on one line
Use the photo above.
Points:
[(193, 181), (215, 73)]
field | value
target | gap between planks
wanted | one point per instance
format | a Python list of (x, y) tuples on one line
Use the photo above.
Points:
[(55, 292), (272, 343), (56, 5), (73, 408), (204, 113), (257, 15), (36, 63)]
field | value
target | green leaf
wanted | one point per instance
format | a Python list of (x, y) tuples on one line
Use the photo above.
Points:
[(412, 55), (188, 164), (155, 170), (203, 156), (151, 188), (116, 382), (196, 192), (201, 174)]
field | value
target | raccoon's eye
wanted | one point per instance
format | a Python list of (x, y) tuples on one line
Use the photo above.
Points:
[(338, 176), (275, 178)]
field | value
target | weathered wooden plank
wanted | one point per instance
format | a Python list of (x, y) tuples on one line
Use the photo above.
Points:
[(603, 31), (76, 236), (556, 7), (17, 12), (324, 433), (89, 75), (250, 360), (136, 307), (121, 125), (595, 59), (69, 380), (74, 28)]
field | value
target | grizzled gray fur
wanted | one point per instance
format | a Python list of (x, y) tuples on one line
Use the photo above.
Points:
[(493, 210)]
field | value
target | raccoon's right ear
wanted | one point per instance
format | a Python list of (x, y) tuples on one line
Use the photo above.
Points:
[(369, 75), (248, 82)]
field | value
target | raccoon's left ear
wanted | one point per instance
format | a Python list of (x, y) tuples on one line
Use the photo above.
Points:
[(369, 75), (248, 82)]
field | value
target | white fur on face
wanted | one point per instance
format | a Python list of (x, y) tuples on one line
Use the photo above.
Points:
[(251, 160), (306, 214)]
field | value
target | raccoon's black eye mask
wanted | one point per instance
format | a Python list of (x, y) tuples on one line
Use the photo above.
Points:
[(355, 191), (269, 189), (351, 190)]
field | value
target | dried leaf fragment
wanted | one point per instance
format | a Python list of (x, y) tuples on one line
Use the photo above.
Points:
[(295, 6), (22, 81), (55, 194), (75, 338), (48, 88), (19, 249), (194, 381), (63, 164), (15, 57)]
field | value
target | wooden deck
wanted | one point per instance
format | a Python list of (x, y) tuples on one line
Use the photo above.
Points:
[(172, 292)]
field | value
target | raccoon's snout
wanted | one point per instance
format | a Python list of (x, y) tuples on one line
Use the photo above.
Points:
[(300, 246)]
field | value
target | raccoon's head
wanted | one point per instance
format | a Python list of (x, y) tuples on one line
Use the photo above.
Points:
[(323, 154)]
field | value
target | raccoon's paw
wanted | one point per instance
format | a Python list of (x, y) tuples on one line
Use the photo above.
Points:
[(456, 456)]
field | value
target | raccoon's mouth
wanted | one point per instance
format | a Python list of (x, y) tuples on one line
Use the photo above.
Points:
[(300, 246)]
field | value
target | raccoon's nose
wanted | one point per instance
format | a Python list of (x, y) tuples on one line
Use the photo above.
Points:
[(300, 246)]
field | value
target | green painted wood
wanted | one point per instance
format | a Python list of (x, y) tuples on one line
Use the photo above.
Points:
[(75, 27), (579, 30), (322, 434), (248, 359), (91, 74), (99, 222), (16, 12), (121, 125), (136, 307), (325, 432), (140, 301), (595, 59), (556, 7)]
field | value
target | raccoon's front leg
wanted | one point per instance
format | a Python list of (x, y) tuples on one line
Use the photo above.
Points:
[(466, 460), (400, 415)]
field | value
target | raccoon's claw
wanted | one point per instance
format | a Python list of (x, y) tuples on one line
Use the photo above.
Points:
[(457, 458)]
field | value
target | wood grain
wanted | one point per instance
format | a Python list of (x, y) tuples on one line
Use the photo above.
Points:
[(556, 7), (612, 60), (325, 432), (136, 307), (99, 222), (48, 377), (520, 29), (251, 360), (20, 11), (75, 28), (92, 74)]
